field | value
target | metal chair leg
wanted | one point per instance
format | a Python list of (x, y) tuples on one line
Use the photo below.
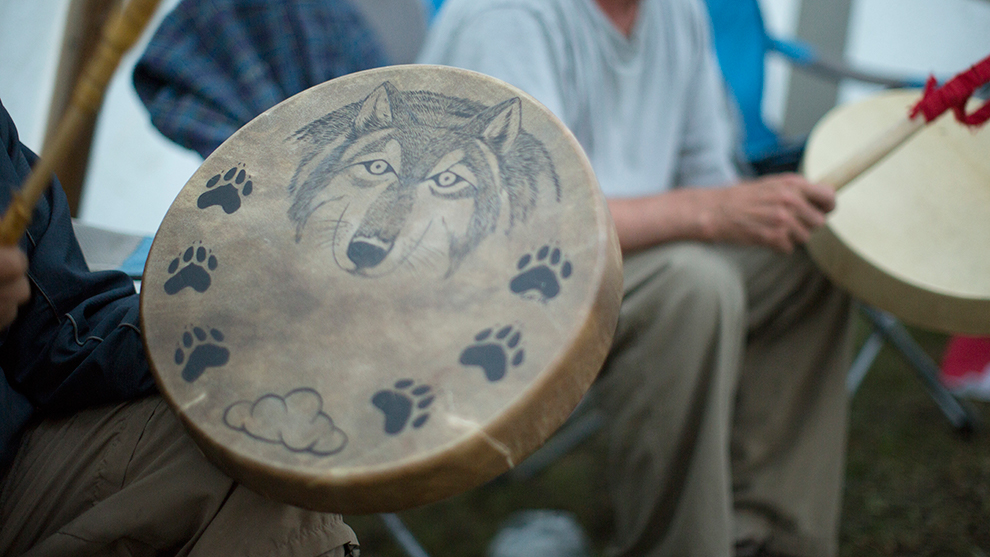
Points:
[(867, 354), (403, 536), (959, 414)]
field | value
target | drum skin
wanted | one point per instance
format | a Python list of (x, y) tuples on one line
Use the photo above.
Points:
[(910, 235), (383, 291)]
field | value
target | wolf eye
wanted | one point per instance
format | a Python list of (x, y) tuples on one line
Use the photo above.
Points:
[(447, 179), (378, 167)]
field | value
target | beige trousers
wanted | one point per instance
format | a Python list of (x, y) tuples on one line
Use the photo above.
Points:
[(725, 392), (127, 480)]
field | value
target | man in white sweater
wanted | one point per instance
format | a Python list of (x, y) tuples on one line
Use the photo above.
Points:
[(725, 385)]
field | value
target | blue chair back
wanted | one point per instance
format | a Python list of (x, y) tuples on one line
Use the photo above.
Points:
[(741, 43)]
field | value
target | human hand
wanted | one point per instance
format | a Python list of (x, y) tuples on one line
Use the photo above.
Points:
[(14, 287), (778, 211)]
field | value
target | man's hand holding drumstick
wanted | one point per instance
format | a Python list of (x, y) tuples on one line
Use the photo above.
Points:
[(778, 211)]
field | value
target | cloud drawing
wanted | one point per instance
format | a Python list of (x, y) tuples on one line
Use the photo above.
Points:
[(296, 421)]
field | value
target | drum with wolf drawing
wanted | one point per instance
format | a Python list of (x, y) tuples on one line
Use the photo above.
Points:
[(910, 235), (383, 291)]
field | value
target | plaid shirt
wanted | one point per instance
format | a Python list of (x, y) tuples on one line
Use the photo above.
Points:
[(213, 65)]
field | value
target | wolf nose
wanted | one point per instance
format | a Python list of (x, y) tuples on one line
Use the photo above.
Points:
[(366, 253)]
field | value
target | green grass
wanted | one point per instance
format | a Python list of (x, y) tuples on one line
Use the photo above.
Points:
[(914, 486)]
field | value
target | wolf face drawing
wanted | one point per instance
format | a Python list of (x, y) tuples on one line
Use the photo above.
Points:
[(416, 180)]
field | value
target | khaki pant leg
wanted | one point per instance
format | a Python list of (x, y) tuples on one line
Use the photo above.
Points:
[(668, 388), (127, 480), (790, 422), (721, 347)]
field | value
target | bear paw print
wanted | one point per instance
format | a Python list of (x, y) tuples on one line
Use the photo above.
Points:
[(494, 351), (196, 265), (541, 274), (200, 350), (236, 185), (405, 403)]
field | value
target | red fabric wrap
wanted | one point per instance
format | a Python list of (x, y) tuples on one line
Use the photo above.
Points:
[(954, 94)]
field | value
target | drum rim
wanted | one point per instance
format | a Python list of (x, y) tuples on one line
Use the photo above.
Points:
[(946, 313)]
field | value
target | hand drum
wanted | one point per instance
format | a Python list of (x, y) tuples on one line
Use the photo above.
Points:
[(383, 291), (910, 235)]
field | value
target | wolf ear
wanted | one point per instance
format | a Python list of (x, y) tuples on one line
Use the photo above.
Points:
[(501, 124), (376, 110)]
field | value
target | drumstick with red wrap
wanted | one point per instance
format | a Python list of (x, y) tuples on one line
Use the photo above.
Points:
[(119, 34), (935, 101)]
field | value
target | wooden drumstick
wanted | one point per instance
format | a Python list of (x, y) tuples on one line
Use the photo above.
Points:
[(119, 33), (936, 100)]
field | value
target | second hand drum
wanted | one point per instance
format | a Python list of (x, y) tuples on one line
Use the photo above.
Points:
[(910, 235), (383, 291)]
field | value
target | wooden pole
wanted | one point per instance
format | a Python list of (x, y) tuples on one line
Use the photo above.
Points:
[(119, 34), (82, 35)]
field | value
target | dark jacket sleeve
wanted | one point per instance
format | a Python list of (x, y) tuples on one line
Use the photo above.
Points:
[(76, 343)]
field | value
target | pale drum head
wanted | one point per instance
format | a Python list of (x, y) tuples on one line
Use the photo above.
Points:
[(383, 291), (911, 235)]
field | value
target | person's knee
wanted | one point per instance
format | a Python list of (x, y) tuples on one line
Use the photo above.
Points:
[(684, 291), (706, 284)]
